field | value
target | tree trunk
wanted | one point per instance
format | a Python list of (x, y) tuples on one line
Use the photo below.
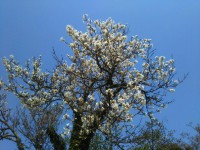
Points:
[(20, 146), (85, 144), (79, 141), (57, 141)]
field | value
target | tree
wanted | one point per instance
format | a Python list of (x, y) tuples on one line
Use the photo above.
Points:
[(34, 125), (195, 140), (191, 142), (8, 124), (153, 135), (99, 142), (108, 80)]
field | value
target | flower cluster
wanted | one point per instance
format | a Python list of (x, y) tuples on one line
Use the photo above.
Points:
[(104, 80), (28, 83), (1, 84)]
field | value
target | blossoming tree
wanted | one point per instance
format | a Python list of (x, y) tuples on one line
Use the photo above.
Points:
[(108, 80)]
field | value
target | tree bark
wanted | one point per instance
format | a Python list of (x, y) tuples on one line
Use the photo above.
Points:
[(79, 141), (57, 142), (20, 146)]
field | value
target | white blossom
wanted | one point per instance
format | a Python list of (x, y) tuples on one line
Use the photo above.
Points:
[(62, 39), (172, 90), (1, 83)]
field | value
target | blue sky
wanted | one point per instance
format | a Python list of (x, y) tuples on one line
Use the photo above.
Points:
[(32, 27)]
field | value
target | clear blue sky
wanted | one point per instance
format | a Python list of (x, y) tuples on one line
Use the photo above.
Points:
[(32, 27)]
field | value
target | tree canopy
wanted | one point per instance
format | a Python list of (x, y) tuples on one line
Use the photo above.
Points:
[(107, 80)]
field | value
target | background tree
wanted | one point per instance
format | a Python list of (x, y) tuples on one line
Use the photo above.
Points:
[(153, 135), (191, 142), (99, 142), (8, 124), (195, 140), (28, 127), (109, 79)]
